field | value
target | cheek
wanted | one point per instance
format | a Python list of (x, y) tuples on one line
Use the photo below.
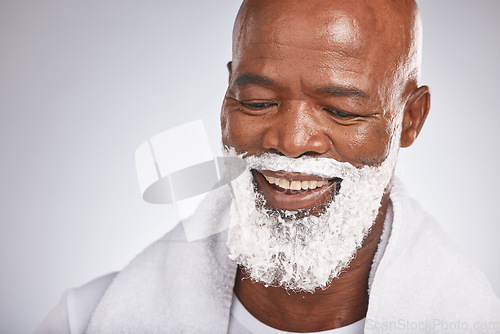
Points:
[(362, 145), (241, 131)]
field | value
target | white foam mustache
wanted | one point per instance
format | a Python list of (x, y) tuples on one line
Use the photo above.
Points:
[(322, 167), (376, 177)]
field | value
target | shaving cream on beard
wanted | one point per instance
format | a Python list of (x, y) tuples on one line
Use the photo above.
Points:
[(292, 249)]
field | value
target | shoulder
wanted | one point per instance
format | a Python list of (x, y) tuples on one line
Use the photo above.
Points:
[(423, 274), (75, 308)]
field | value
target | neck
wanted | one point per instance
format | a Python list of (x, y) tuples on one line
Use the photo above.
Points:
[(344, 302)]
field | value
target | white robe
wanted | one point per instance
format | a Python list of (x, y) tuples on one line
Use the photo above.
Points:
[(422, 284)]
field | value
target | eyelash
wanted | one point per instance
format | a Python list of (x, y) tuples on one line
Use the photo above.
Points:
[(339, 113), (257, 105)]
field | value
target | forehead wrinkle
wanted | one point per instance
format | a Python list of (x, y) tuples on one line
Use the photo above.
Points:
[(335, 74), (337, 56), (336, 66)]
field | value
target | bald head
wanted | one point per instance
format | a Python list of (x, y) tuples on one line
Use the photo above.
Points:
[(385, 33)]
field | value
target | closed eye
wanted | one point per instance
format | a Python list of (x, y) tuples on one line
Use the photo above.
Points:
[(258, 105), (340, 113)]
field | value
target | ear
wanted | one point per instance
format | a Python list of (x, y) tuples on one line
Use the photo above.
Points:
[(230, 69), (416, 110)]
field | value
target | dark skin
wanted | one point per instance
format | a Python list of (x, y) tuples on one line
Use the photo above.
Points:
[(328, 79)]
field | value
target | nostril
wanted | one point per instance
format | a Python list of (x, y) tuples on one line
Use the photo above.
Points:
[(300, 155), (310, 154), (276, 151)]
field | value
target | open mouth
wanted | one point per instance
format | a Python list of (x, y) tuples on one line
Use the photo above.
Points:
[(296, 191)]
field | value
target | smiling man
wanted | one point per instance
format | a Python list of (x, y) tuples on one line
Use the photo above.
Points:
[(317, 104), (322, 94)]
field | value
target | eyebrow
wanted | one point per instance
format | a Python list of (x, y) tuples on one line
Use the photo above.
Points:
[(343, 91), (336, 90), (252, 79)]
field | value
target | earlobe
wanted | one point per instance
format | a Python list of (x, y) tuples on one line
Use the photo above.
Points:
[(416, 111)]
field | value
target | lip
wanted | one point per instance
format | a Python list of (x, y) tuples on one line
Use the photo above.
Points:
[(294, 200)]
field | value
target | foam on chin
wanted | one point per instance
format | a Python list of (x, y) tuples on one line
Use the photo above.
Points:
[(293, 250)]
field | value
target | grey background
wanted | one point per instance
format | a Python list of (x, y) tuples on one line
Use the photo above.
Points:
[(84, 83)]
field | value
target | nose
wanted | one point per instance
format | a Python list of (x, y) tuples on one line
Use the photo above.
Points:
[(295, 131)]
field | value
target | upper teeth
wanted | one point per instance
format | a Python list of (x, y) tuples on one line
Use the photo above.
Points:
[(295, 185)]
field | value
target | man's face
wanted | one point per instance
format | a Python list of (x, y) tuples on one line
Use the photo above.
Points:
[(299, 88), (315, 102)]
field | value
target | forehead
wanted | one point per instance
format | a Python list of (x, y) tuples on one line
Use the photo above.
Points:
[(304, 22), (314, 46)]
